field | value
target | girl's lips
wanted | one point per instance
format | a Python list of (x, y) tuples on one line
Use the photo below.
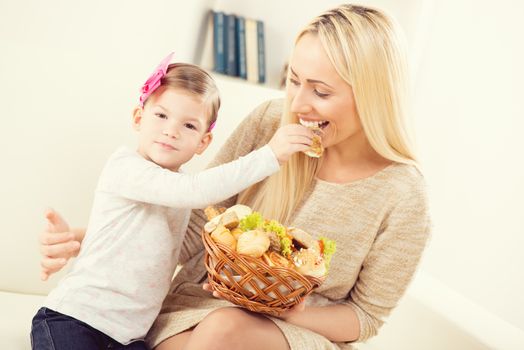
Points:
[(166, 146)]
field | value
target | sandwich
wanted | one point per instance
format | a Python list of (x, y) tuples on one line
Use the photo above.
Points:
[(316, 149)]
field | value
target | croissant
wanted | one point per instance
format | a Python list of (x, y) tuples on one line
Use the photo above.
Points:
[(253, 243), (222, 235)]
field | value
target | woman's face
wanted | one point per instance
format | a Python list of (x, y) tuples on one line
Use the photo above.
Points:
[(318, 95)]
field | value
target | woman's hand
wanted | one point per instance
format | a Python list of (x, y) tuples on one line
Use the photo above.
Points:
[(284, 315), (58, 243), (290, 139)]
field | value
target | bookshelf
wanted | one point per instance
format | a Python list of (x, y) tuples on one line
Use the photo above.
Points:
[(235, 47)]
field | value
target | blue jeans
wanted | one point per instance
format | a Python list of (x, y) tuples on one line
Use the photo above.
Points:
[(52, 330)]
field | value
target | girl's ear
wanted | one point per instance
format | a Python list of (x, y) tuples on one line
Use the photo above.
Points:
[(206, 140), (137, 117)]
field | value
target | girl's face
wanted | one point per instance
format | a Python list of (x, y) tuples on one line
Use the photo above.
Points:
[(172, 127), (318, 95)]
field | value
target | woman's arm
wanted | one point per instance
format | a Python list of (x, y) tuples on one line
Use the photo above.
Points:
[(338, 323), (58, 243), (392, 261)]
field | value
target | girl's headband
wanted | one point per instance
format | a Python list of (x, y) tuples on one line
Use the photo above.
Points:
[(154, 81)]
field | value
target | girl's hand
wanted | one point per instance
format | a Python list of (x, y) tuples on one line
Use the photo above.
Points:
[(290, 139), (57, 244)]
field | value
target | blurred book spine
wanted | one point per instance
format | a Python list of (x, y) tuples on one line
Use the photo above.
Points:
[(218, 42), (241, 47), (261, 49), (230, 45)]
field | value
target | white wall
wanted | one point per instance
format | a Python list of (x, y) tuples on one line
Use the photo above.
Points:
[(70, 73), (470, 125)]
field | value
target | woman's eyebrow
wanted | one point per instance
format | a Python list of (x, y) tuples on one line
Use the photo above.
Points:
[(314, 81)]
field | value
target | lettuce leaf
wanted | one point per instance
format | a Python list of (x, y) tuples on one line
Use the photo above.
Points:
[(280, 230), (251, 221), (330, 247)]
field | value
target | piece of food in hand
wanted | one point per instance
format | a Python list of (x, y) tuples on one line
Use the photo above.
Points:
[(253, 243), (229, 219), (316, 149), (222, 235)]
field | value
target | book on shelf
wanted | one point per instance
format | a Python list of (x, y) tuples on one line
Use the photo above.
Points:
[(241, 47), (238, 47), (261, 51), (230, 47), (218, 42)]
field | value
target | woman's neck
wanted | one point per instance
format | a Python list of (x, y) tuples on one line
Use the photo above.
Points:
[(351, 160)]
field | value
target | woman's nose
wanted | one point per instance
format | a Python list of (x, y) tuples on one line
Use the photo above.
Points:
[(300, 102)]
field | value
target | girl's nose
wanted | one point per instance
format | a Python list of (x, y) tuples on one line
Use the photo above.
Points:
[(171, 132)]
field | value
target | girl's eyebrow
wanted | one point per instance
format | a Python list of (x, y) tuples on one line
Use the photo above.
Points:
[(313, 81)]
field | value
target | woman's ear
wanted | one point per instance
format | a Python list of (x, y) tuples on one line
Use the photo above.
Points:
[(206, 140), (137, 117)]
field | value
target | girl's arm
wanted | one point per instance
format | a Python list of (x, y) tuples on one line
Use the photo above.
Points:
[(255, 130)]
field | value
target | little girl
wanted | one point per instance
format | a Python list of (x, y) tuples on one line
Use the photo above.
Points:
[(115, 288)]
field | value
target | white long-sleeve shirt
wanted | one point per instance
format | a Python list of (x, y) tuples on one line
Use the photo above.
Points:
[(135, 232)]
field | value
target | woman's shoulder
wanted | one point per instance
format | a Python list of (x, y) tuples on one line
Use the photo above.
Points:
[(263, 121), (268, 113), (404, 180)]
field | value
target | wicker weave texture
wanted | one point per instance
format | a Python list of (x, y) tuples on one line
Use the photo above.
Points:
[(251, 283)]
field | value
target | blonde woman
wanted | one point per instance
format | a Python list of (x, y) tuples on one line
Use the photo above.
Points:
[(347, 75)]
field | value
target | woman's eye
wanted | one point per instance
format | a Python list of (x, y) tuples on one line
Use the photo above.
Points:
[(190, 126), (320, 94), (161, 115)]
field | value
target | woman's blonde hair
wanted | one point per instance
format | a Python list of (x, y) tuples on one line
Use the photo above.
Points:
[(363, 46), (196, 81)]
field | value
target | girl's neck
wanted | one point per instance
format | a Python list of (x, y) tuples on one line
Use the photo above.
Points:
[(351, 160)]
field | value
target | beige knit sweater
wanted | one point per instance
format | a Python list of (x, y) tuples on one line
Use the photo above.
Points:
[(380, 224)]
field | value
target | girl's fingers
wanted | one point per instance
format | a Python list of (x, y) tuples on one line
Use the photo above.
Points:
[(60, 249), (54, 238), (50, 265)]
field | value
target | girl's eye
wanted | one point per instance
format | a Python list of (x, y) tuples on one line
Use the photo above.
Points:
[(161, 115), (320, 94), (190, 126)]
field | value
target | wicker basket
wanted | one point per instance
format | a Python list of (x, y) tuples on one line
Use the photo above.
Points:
[(251, 283)]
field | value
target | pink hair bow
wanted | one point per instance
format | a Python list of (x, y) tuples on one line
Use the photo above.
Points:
[(153, 82)]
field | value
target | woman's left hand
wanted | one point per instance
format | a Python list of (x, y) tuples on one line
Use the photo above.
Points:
[(207, 286), (284, 315)]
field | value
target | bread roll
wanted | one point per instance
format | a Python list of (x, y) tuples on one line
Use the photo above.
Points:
[(240, 209), (222, 235), (229, 219), (309, 262), (253, 243)]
